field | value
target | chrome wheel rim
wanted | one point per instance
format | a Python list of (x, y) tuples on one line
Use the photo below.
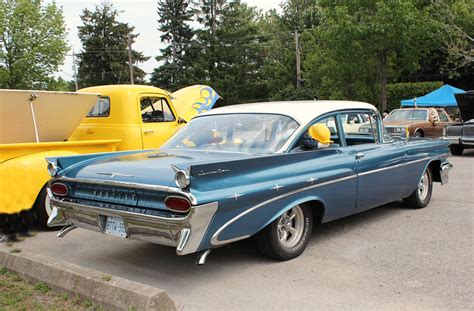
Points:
[(423, 186), (291, 227)]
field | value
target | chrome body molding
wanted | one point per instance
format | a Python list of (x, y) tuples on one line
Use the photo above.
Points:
[(393, 166), (133, 185), (185, 233), (215, 237)]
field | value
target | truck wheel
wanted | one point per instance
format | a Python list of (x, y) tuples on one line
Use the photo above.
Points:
[(422, 194), (456, 149), (287, 236), (42, 209)]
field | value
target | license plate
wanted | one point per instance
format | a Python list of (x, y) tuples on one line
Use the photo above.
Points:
[(114, 226)]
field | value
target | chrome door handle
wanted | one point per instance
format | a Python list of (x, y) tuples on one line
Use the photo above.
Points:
[(359, 156), (148, 132)]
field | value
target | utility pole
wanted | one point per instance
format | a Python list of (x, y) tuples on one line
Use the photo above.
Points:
[(130, 63), (74, 69), (298, 59)]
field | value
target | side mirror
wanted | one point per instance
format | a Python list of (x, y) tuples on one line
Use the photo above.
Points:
[(181, 121)]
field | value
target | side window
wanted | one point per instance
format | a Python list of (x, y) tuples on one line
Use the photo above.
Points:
[(101, 109), (442, 116), (307, 143), (155, 109), (364, 132)]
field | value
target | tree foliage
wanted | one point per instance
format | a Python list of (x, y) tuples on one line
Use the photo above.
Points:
[(174, 20), (104, 58), (32, 43), (357, 50)]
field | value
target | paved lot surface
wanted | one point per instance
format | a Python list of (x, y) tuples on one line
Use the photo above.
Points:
[(389, 258)]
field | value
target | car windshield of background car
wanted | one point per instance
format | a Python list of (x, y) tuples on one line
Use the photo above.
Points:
[(247, 133), (407, 114)]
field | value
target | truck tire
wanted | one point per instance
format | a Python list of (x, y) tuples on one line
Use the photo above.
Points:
[(42, 209), (456, 149)]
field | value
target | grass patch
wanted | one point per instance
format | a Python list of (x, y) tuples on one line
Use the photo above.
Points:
[(18, 294), (42, 287), (15, 250), (106, 278)]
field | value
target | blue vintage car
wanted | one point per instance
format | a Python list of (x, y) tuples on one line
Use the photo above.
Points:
[(248, 170)]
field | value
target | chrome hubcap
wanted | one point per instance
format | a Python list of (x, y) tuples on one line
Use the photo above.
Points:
[(423, 186), (291, 227)]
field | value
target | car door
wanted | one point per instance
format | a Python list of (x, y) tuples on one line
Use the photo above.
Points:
[(158, 120), (444, 121), (379, 163)]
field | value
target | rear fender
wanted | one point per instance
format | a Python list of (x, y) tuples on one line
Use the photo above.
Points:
[(21, 180)]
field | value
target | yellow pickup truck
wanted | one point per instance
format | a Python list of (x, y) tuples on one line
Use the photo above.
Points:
[(35, 124)]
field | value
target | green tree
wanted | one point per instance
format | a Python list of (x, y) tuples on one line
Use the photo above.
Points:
[(32, 43), (239, 55), (104, 58), (370, 41), (174, 20)]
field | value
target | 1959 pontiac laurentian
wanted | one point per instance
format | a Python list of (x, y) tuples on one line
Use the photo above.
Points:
[(268, 169)]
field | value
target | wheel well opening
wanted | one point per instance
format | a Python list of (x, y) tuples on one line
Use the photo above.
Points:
[(317, 207), (435, 167), (419, 131)]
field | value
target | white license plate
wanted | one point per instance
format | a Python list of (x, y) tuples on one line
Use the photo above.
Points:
[(114, 226)]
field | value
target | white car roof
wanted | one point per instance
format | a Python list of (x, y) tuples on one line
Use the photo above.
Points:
[(301, 111)]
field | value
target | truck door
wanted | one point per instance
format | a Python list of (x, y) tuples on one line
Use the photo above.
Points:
[(159, 121)]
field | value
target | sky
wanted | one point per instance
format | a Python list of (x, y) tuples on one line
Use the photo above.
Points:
[(140, 14)]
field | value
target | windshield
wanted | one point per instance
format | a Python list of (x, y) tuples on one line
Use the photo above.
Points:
[(249, 133), (407, 114)]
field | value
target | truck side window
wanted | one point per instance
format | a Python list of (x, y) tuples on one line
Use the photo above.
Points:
[(155, 109), (101, 109)]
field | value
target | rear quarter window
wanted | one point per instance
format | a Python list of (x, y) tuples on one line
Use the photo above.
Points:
[(101, 108)]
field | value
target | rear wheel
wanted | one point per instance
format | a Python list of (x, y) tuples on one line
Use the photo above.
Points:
[(456, 149), (422, 194), (287, 236)]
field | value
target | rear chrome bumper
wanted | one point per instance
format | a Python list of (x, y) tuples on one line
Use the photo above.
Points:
[(185, 233)]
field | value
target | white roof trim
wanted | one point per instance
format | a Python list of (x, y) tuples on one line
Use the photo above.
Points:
[(301, 111)]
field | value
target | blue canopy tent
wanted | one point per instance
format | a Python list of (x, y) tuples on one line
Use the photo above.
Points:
[(442, 97)]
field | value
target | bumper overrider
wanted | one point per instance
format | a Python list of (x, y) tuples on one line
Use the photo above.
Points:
[(185, 233)]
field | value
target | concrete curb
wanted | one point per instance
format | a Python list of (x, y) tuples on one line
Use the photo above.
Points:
[(111, 292)]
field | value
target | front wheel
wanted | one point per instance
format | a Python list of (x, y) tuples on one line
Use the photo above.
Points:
[(422, 194), (287, 236)]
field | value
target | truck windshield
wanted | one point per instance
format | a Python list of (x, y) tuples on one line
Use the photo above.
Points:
[(248, 133), (407, 114)]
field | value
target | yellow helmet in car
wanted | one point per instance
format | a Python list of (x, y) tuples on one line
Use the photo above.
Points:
[(321, 133)]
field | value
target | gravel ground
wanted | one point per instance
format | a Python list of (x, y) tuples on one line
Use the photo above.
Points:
[(387, 258)]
